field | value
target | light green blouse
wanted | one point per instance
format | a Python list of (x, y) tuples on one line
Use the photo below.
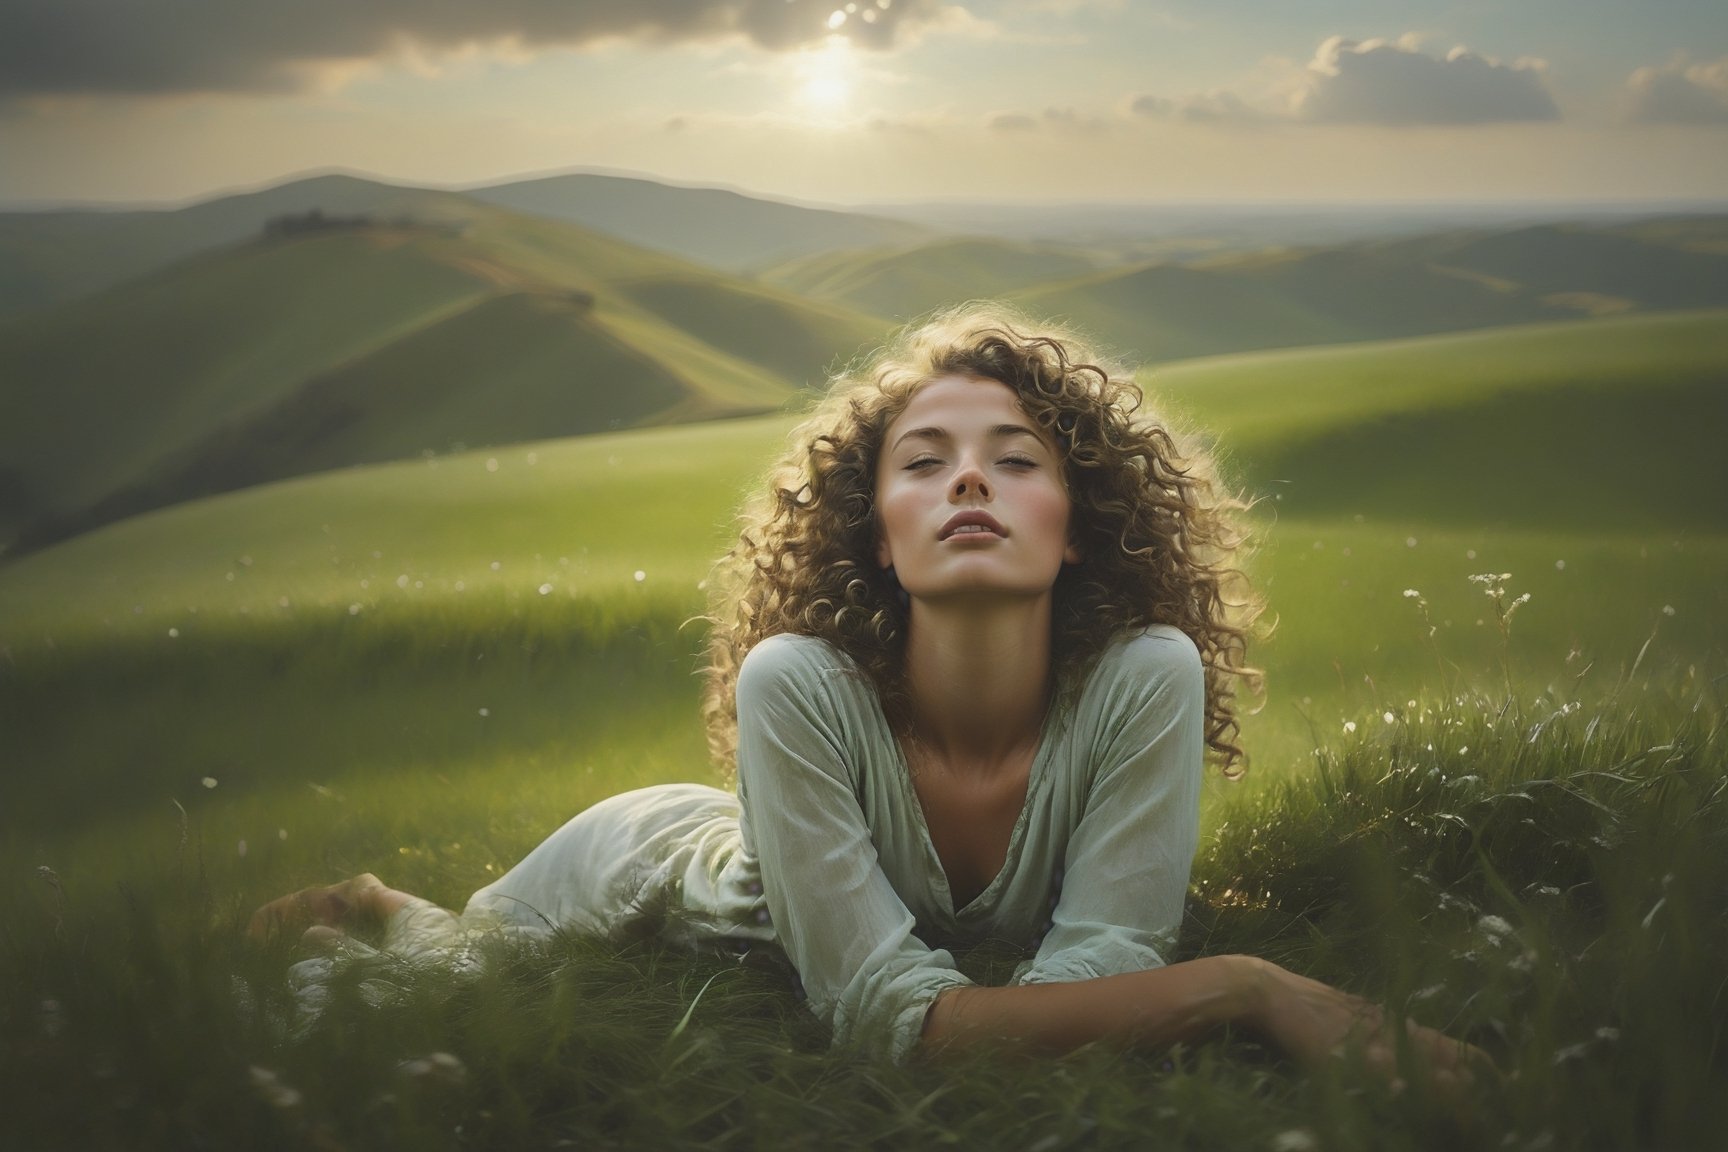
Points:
[(1097, 865)]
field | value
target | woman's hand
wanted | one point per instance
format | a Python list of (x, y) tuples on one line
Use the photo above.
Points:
[(1315, 1023)]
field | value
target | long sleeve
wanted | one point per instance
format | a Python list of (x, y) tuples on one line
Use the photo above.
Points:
[(1125, 871), (843, 926)]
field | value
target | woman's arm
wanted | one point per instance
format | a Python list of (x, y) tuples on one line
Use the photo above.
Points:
[(1154, 1008), (1158, 1007)]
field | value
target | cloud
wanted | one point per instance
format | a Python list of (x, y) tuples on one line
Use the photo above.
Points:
[(1385, 82), (1061, 119), (1012, 122), (1680, 93), (1220, 107), (133, 47)]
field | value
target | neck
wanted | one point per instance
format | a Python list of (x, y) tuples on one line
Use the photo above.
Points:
[(979, 678)]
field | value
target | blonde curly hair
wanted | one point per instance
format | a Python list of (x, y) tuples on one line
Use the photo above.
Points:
[(1159, 535)]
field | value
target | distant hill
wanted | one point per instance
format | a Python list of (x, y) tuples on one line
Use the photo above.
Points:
[(1165, 310), (333, 347), (902, 282), (711, 226), (51, 257)]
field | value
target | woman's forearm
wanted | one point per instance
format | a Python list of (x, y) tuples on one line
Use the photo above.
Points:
[(1154, 1008)]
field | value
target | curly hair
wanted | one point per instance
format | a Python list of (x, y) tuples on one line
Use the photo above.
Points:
[(1159, 534)]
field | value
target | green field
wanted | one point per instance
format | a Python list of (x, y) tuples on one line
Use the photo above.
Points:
[(420, 669)]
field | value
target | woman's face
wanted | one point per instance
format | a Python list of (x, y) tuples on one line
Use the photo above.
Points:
[(969, 495)]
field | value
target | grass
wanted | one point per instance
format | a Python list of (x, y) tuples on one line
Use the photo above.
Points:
[(1545, 878)]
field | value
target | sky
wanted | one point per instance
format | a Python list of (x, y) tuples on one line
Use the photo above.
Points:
[(873, 101)]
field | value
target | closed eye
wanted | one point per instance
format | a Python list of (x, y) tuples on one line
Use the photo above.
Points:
[(1019, 461), (921, 462)]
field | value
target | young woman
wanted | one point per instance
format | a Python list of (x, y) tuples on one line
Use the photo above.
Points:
[(968, 657)]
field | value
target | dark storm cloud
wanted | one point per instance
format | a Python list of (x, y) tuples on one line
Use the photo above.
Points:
[(1377, 82), (158, 47)]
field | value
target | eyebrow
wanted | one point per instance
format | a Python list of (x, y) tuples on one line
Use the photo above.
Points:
[(997, 432)]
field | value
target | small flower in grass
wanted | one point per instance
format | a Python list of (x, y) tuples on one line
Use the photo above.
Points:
[(640, 576), (209, 781), (491, 463), (1559, 565), (460, 586), (271, 1089), (533, 457), (353, 609), (282, 602), (402, 580), (545, 589), (496, 565), (1667, 609), (1412, 594), (281, 833), (1463, 749), (485, 712), (173, 633), (1388, 717), (1494, 927), (1470, 554), (1409, 541), (241, 848), (435, 1068), (1293, 1140), (1349, 725)]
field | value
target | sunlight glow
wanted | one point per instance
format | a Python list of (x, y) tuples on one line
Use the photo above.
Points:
[(824, 77)]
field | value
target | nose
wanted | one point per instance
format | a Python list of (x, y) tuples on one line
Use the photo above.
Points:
[(970, 481)]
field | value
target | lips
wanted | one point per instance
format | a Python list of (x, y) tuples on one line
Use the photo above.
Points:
[(969, 523)]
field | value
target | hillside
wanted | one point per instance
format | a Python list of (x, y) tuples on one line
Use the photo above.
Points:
[(56, 256), (1608, 424), (902, 282), (50, 257), (1601, 428), (287, 355), (712, 226), (1166, 310)]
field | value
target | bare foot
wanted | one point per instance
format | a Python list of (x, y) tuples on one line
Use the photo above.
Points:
[(333, 906)]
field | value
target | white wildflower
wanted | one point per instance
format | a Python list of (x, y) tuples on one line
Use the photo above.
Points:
[(209, 781), (1349, 725), (640, 576), (491, 463), (545, 589)]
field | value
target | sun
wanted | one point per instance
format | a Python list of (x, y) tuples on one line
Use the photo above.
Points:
[(824, 77)]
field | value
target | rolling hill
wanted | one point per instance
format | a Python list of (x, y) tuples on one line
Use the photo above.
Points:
[(344, 345), (903, 281), (1603, 429), (1273, 298), (1608, 424), (712, 226), (54, 256)]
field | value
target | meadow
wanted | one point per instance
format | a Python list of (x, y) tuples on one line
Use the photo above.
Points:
[(1508, 822)]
